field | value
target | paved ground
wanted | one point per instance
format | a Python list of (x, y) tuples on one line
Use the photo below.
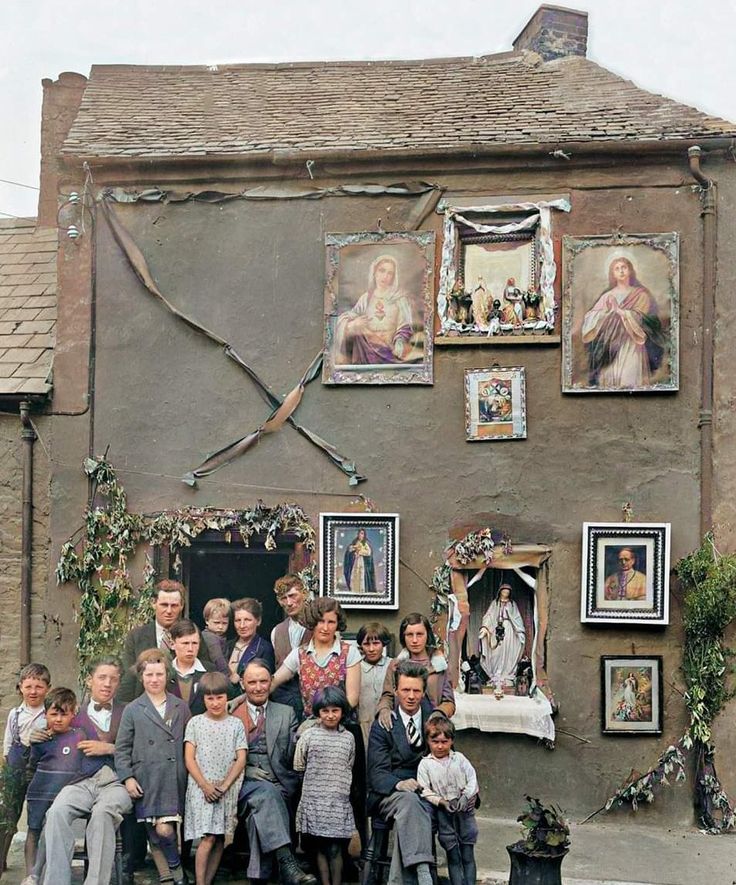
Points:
[(610, 852)]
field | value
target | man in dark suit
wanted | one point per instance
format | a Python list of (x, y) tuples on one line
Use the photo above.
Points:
[(270, 782), (168, 608), (99, 795), (393, 759)]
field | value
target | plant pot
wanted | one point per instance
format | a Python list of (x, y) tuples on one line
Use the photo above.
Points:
[(535, 869)]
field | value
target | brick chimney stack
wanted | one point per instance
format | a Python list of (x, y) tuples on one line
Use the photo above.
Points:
[(555, 32), (61, 100)]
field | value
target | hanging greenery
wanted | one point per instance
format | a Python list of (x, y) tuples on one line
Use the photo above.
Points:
[(474, 545), (110, 606), (709, 605)]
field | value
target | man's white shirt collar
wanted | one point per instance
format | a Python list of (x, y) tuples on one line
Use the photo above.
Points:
[(101, 718), (197, 667)]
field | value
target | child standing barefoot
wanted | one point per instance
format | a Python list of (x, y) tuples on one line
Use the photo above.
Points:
[(23, 720), (325, 754), (449, 781), (149, 760), (215, 747)]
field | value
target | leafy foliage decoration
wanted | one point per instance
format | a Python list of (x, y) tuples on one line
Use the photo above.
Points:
[(110, 605), (546, 833), (708, 579)]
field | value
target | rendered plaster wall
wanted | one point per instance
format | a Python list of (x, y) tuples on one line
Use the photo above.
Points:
[(724, 432), (11, 491), (254, 273)]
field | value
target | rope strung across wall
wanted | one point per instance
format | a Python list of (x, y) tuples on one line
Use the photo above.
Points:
[(282, 409)]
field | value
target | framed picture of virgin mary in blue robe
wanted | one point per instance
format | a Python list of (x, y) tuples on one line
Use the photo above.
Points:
[(359, 559)]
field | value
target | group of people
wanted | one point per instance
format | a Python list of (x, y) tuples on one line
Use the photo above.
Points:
[(187, 735)]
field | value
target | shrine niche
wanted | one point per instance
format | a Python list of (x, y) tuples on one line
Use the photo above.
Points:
[(491, 611)]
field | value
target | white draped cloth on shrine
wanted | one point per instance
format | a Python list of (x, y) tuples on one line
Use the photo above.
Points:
[(510, 714)]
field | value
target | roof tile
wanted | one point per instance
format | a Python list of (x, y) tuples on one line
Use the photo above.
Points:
[(510, 98), (27, 306)]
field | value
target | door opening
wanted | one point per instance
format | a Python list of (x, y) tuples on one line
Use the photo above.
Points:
[(212, 567)]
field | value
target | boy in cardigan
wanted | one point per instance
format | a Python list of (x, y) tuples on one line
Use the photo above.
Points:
[(53, 764), (449, 782)]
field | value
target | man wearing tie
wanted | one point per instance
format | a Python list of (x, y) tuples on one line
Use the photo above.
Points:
[(393, 759), (168, 608), (99, 794), (270, 782)]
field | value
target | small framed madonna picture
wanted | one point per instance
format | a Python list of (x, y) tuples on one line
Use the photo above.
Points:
[(625, 573), (495, 404), (631, 694), (359, 559)]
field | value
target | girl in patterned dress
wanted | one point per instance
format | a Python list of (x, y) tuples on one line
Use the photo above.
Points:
[(215, 747), (325, 753)]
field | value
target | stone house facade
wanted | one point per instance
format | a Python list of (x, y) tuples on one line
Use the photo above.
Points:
[(227, 180)]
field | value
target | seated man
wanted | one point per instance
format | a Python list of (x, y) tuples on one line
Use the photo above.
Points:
[(98, 794), (393, 759), (270, 782)]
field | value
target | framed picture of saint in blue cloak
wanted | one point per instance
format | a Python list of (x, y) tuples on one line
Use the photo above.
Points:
[(359, 557)]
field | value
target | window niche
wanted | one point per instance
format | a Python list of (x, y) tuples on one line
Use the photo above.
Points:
[(498, 274), (494, 623)]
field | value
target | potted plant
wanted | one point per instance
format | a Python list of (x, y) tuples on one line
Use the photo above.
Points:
[(537, 858)]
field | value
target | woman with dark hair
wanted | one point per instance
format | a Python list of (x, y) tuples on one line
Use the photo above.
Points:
[(358, 567), (418, 645), (622, 332), (328, 661), (247, 615), (325, 659)]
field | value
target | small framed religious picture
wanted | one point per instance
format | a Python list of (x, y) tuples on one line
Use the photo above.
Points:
[(495, 404), (359, 559), (621, 304), (631, 694), (379, 308), (625, 573)]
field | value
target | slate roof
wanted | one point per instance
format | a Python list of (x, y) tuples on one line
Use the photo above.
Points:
[(511, 98), (27, 306)]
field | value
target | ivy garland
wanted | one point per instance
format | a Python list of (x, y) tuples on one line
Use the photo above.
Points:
[(474, 545), (709, 583), (110, 605)]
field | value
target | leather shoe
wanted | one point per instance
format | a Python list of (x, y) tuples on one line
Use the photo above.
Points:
[(290, 873)]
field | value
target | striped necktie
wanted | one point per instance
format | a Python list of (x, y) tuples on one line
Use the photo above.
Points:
[(412, 735), (167, 642)]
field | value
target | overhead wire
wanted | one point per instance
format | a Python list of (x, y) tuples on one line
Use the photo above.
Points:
[(31, 187)]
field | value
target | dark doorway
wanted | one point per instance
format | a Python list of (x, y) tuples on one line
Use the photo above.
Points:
[(217, 568)]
